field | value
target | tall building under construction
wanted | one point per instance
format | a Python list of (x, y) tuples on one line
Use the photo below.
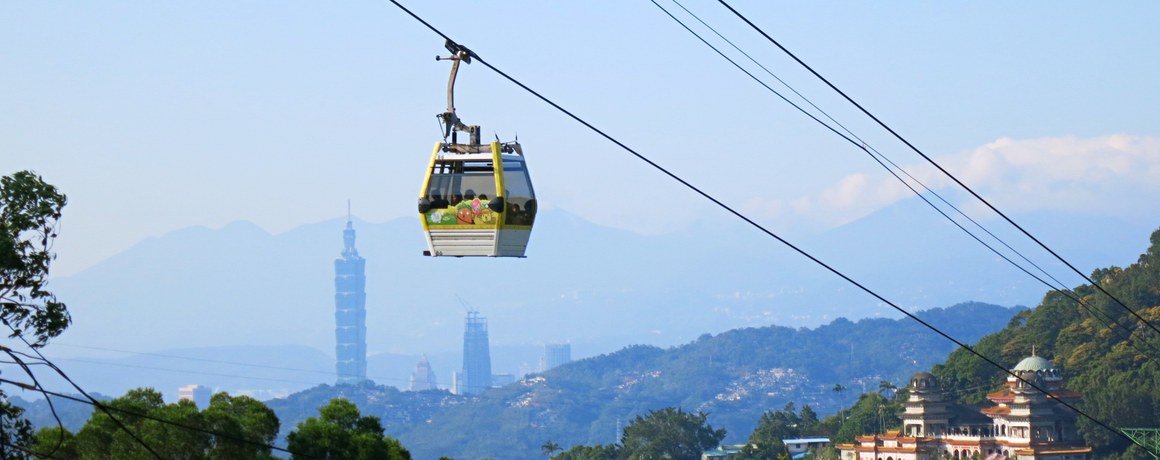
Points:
[(476, 373), (350, 313)]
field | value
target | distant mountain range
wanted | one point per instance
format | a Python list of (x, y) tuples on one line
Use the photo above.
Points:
[(238, 294), (734, 376)]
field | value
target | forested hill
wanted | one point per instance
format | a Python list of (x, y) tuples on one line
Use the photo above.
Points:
[(734, 376), (1105, 351)]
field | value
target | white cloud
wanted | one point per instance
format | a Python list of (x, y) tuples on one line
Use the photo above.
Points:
[(1108, 175)]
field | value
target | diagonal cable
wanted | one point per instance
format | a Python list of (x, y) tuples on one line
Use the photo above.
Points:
[(764, 230), (944, 171), (1107, 320)]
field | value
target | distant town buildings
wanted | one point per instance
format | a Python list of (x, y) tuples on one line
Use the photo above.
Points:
[(555, 354), (350, 313), (1023, 423), (499, 380), (423, 378), (199, 394), (798, 447), (476, 373)]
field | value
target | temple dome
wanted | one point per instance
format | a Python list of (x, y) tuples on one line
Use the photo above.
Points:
[(923, 381), (1034, 363)]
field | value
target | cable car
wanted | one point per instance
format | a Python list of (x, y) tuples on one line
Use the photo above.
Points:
[(477, 199)]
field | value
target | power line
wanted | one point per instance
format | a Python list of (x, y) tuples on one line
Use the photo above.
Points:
[(941, 169), (38, 387), (212, 361), (752, 223), (875, 154), (150, 417), (115, 420)]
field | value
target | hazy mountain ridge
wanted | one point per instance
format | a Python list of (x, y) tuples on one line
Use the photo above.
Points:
[(734, 376), (596, 287)]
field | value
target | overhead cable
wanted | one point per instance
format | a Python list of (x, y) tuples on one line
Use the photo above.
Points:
[(761, 228), (943, 170), (880, 158)]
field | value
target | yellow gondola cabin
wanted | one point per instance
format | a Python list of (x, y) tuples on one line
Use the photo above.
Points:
[(477, 199)]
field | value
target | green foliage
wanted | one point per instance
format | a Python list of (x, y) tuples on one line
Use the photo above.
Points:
[(765, 442), (102, 438), (669, 433), (734, 376), (30, 210), (341, 432), (55, 442), (873, 413), (1113, 365), (550, 448), (231, 428), (245, 426), (597, 452), (16, 436)]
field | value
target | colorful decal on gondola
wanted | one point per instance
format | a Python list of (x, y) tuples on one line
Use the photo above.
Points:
[(465, 213)]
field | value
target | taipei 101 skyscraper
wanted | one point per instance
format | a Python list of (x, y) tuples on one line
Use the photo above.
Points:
[(350, 313)]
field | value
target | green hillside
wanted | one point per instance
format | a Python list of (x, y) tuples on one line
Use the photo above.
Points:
[(1106, 352), (735, 377)]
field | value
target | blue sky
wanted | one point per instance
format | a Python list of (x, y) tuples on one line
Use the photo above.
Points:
[(155, 117)]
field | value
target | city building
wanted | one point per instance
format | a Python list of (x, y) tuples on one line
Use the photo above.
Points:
[(476, 373), (555, 354), (499, 380), (799, 447), (1023, 423), (350, 313), (199, 394), (423, 378)]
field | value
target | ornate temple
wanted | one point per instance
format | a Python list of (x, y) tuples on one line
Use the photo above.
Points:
[(1022, 424)]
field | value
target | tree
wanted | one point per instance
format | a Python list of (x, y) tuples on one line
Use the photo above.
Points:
[(809, 421), (597, 452), (137, 433), (16, 437), (29, 213), (231, 428), (669, 433), (867, 417), (55, 442), (765, 442), (244, 426), (340, 432), (885, 386), (838, 389), (549, 448)]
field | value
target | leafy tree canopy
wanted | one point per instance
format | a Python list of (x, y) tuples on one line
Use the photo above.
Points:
[(231, 428), (340, 432), (29, 213), (15, 432), (669, 433), (1106, 353)]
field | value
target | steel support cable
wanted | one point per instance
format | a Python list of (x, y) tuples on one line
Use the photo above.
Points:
[(943, 170), (1107, 320), (151, 417), (859, 145), (761, 228), (872, 151)]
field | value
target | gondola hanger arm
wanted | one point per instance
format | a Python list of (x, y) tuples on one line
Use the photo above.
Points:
[(451, 122)]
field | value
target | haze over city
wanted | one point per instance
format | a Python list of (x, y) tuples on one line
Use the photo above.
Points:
[(163, 119)]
